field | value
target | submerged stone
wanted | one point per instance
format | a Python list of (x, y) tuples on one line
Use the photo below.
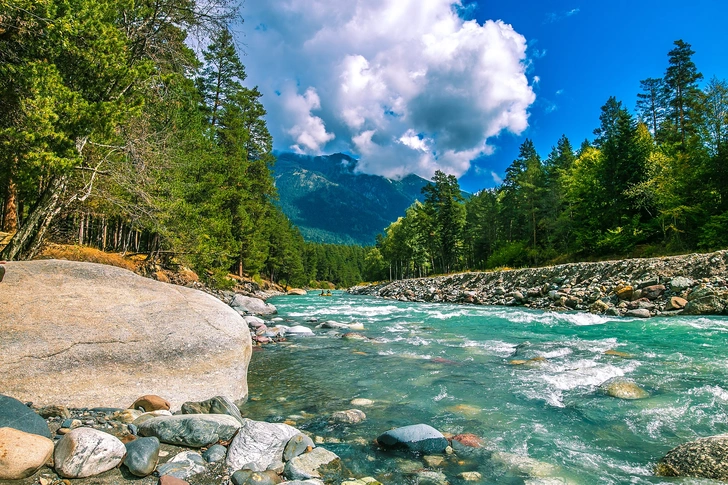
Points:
[(417, 437)]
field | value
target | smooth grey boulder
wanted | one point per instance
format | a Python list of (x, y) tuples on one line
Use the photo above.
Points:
[(638, 313), (215, 453), (14, 414), (112, 327), (183, 465), (192, 430), (142, 456), (297, 445), (417, 437), (309, 464), (215, 405), (247, 304), (259, 446), (85, 452), (704, 458)]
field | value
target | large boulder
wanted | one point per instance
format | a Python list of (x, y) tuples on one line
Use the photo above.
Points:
[(89, 335), (705, 301), (704, 458)]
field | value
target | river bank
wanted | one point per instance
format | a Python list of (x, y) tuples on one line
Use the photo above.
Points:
[(693, 284)]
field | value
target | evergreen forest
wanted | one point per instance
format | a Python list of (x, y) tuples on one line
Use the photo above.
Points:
[(116, 133), (653, 181)]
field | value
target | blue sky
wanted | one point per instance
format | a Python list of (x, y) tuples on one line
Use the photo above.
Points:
[(417, 85)]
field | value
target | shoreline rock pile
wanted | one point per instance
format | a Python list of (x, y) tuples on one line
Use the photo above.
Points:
[(693, 284)]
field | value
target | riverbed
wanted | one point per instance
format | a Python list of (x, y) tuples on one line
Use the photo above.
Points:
[(526, 382)]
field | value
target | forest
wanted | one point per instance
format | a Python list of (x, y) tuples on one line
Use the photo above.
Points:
[(651, 182), (116, 133)]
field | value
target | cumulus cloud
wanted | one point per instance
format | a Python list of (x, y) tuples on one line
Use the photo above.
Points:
[(410, 86)]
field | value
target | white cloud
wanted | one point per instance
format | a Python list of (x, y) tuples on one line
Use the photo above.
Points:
[(307, 131), (408, 85), (496, 178), (557, 16)]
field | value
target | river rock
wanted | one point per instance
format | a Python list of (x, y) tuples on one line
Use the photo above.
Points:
[(151, 402), (704, 458), (85, 452), (247, 304), (705, 301), (638, 313), (676, 303), (215, 453), (259, 446), (470, 476), (170, 480), (297, 445), (183, 465), (623, 389), (308, 465), (417, 437), (350, 416), (296, 292), (361, 402), (249, 477), (215, 405), (192, 430), (523, 465), (299, 331), (253, 321), (127, 415), (22, 454), (54, 411), (142, 456), (15, 414), (147, 416), (111, 328), (653, 292), (680, 284)]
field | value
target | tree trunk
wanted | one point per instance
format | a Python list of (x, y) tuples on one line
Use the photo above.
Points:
[(27, 241), (10, 211)]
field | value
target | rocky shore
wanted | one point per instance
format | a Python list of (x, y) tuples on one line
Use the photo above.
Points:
[(692, 284)]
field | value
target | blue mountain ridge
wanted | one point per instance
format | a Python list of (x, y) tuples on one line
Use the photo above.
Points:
[(331, 202)]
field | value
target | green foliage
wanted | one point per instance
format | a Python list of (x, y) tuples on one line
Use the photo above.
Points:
[(651, 185)]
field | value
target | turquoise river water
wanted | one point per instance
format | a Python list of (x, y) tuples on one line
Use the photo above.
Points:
[(449, 366)]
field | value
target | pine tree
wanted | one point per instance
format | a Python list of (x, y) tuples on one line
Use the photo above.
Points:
[(681, 89), (651, 103)]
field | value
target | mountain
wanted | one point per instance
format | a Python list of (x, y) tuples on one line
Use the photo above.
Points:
[(330, 202)]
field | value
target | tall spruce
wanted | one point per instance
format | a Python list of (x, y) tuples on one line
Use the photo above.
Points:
[(681, 88)]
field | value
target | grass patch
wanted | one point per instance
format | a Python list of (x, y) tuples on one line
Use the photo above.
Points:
[(89, 255)]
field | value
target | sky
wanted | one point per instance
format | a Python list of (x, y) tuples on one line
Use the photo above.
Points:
[(414, 86)]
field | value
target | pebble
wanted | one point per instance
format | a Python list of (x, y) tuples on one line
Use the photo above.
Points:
[(215, 453), (296, 446)]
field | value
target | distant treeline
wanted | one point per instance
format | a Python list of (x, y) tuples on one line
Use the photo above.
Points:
[(651, 182)]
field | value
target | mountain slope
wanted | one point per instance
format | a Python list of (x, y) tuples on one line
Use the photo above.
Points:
[(330, 202)]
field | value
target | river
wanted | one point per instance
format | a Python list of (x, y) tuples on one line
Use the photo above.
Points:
[(450, 366)]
